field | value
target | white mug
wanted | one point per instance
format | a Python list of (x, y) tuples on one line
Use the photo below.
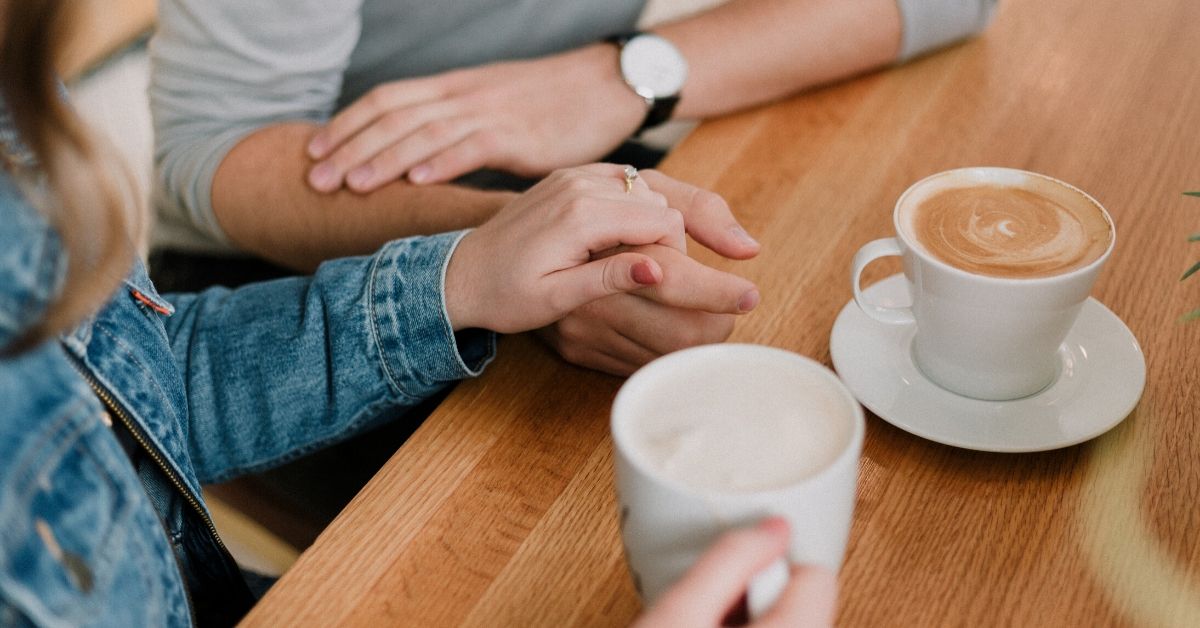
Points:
[(667, 524), (980, 336)]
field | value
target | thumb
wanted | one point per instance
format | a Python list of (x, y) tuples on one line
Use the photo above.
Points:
[(624, 272)]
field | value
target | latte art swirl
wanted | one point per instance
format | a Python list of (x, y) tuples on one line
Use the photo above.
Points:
[(1009, 232)]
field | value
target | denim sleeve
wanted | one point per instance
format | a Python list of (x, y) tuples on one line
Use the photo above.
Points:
[(277, 369), (931, 24)]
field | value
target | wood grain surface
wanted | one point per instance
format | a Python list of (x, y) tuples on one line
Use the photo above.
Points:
[(500, 510)]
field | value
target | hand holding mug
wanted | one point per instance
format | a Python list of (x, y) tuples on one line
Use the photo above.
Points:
[(707, 594), (719, 437)]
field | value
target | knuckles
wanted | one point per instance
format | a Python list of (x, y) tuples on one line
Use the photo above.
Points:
[(577, 211), (378, 98), (486, 141), (675, 220), (612, 278), (440, 130), (708, 202), (572, 329)]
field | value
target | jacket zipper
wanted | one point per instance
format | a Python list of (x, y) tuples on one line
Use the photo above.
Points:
[(114, 408), (154, 455)]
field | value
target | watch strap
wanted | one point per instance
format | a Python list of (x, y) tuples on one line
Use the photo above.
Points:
[(620, 39), (659, 112)]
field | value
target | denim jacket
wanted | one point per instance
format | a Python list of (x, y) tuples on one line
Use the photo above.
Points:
[(213, 385)]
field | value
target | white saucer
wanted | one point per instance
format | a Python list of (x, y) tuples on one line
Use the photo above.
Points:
[(1103, 373)]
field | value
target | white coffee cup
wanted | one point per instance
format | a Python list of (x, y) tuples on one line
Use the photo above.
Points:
[(667, 522), (983, 336)]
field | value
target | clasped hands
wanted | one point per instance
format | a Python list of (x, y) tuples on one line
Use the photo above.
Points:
[(603, 273), (530, 117)]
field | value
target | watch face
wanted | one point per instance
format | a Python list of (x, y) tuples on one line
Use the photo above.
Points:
[(653, 66)]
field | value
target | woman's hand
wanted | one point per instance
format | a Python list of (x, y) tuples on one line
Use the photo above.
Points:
[(707, 594), (525, 117), (536, 260), (620, 333)]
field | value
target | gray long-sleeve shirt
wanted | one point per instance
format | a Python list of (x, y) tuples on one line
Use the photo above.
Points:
[(222, 69)]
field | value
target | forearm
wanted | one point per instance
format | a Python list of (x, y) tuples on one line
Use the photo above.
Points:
[(740, 55), (265, 206)]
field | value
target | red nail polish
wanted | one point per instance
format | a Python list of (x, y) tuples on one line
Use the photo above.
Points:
[(644, 274)]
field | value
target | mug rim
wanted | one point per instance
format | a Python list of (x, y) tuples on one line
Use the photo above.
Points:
[(851, 448), (925, 256)]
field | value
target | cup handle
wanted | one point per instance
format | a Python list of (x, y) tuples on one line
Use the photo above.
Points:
[(871, 251), (766, 587)]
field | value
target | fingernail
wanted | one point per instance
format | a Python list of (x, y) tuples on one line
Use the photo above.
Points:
[(322, 176), (742, 235), (360, 176), (316, 148), (748, 301), (420, 174), (644, 274)]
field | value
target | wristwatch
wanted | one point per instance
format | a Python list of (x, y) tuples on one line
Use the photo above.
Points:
[(655, 70)]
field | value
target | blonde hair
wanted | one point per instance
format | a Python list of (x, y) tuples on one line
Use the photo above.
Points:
[(86, 189)]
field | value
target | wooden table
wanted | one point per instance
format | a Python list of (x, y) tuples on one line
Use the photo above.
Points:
[(500, 510)]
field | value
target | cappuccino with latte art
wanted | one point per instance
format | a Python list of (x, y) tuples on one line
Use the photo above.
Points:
[(999, 263), (1004, 231)]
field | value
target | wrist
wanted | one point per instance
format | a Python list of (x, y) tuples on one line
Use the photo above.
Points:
[(618, 106), (459, 286)]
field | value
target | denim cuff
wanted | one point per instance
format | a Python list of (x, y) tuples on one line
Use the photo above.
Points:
[(419, 349)]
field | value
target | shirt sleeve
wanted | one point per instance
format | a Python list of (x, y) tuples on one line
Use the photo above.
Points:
[(221, 69), (284, 367), (931, 24)]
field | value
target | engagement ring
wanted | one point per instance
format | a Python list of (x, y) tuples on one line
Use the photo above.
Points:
[(631, 174)]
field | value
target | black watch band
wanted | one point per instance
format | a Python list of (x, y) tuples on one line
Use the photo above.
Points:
[(660, 109), (659, 113)]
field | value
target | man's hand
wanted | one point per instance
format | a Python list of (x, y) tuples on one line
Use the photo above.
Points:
[(524, 117), (689, 307)]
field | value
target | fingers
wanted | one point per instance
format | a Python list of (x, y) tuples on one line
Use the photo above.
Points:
[(689, 284), (578, 285), (708, 217), (710, 588), (395, 160), (641, 195), (660, 329), (610, 183), (605, 223), (470, 154), (586, 342), (370, 107), (586, 337), (809, 599), (392, 127)]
